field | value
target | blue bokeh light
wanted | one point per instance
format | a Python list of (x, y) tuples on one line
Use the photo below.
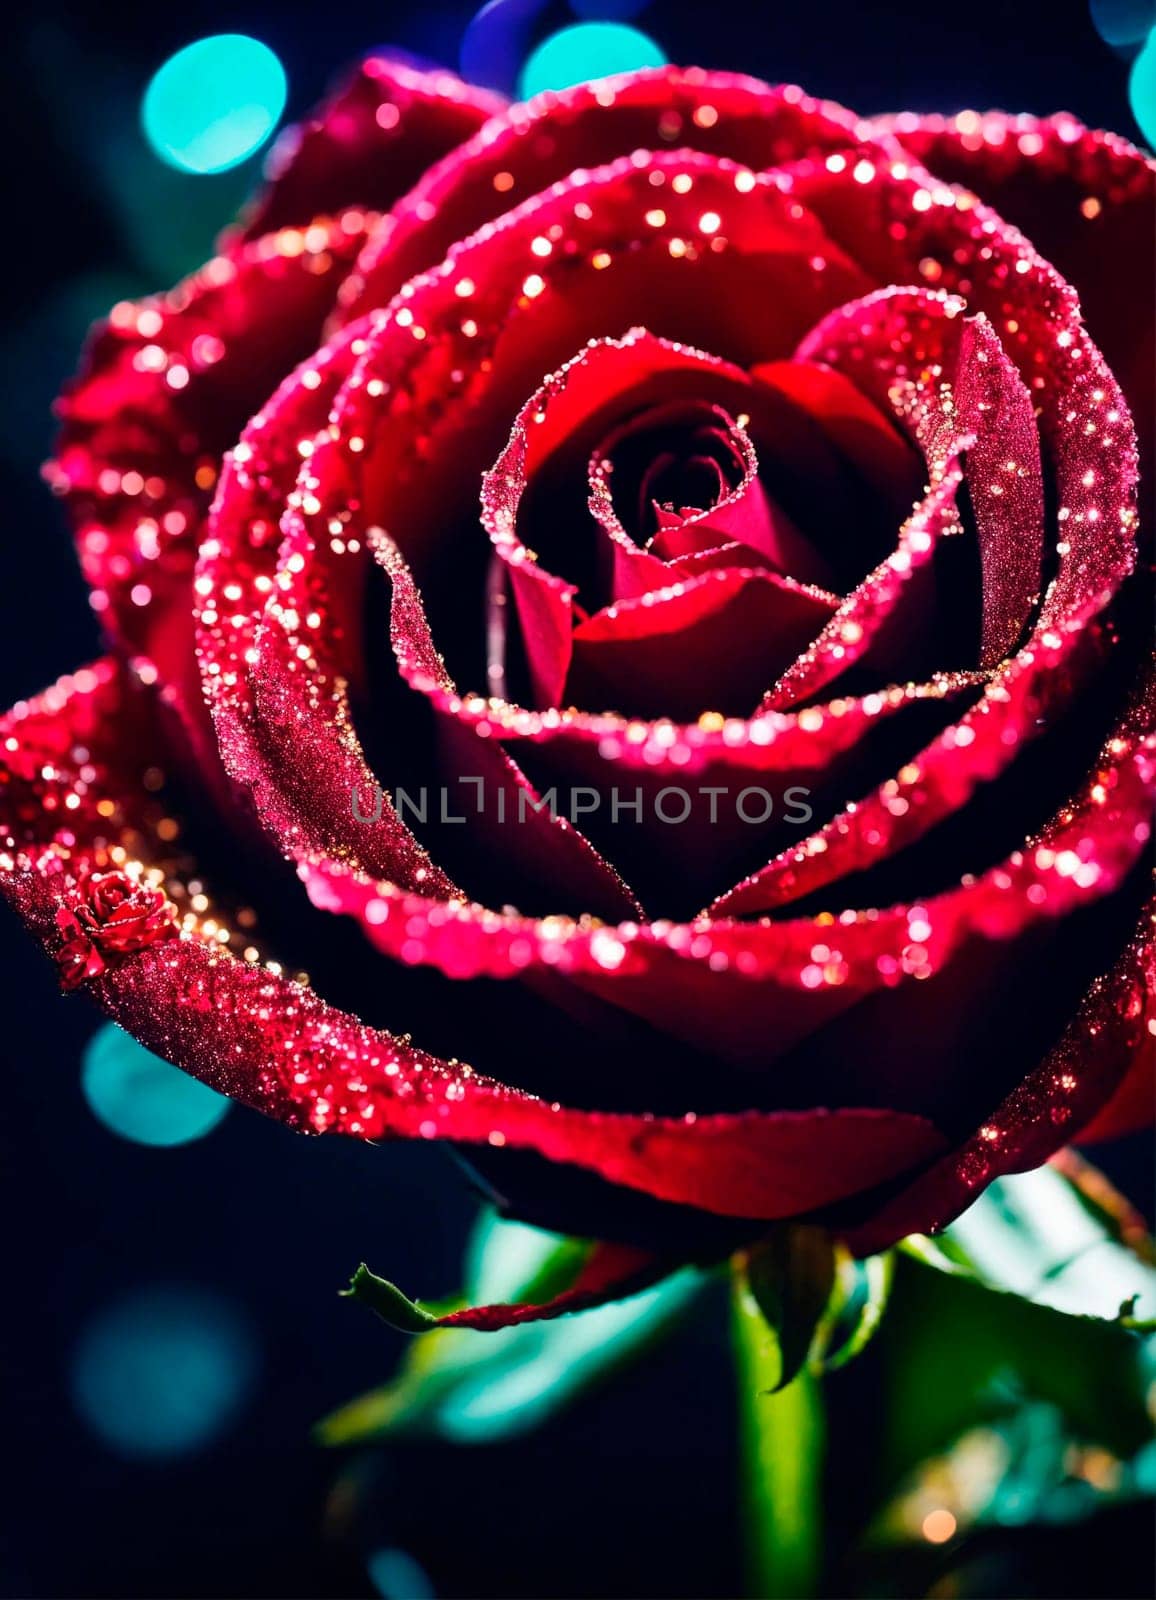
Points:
[(397, 1576), (587, 50), (1121, 23), (163, 1371), (214, 103), (1142, 90), (142, 1098)]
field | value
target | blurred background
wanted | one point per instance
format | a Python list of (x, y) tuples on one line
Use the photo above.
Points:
[(173, 1331)]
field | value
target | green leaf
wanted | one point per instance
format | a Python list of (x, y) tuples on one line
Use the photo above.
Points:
[(1034, 1234), (961, 1354), (456, 1384), (1021, 1303), (389, 1302), (506, 1261), (790, 1276), (782, 1438)]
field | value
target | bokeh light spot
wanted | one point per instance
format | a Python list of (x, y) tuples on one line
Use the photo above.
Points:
[(397, 1576), (584, 51), (1121, 23), (214, 103), (939, 1526), (1142, 89), (163, 1371), (142, 1098)]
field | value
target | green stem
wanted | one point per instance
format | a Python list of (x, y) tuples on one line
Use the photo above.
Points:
[(781, 1438)]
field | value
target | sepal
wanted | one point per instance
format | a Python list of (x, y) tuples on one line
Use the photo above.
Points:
[(820, 1305), (790, 1276)]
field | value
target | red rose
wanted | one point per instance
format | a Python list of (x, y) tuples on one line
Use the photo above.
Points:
[(759, 783), (109, 915)]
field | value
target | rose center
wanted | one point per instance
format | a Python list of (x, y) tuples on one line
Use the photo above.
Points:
[(670, 465)]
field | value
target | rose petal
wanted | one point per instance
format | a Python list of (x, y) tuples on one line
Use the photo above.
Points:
[(240, 558), (237, 560), (862, 429), (369, 144), (990, 402), (719, 983), (731, 511), (1087, 202), (262, 701), (468, 342), (904, 222), (165, 388), (605, 375), (610, 1272), (1043, 1113), (1131, 1107), (271, 1043), (486, 712), (533, 146), (705, 643), (914, 344), (1087, 427), (608, 753)]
